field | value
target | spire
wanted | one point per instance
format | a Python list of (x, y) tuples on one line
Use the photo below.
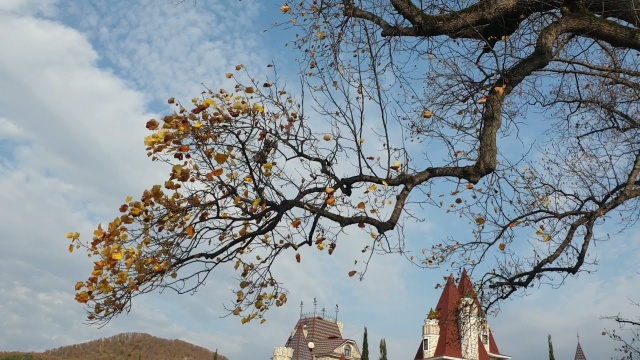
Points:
[(579, 352), (449, 340), (465, 287)]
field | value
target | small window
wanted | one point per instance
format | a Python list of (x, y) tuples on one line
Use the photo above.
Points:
[(347, 350), (485, 338), (425, 344)]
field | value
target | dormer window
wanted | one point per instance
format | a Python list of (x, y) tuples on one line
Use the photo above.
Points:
[(485, 338), (425, 344), (347, 350)]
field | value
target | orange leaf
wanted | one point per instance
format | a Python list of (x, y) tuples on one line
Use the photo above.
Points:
[(502, 246), (191, 231), (480, 220), (298, 257), (331, 200), (352, 272), (361, 205), (295, 223)]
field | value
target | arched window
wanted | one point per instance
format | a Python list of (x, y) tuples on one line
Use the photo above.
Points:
[(347, 350)]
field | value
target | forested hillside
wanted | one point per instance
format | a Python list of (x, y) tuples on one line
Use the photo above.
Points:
[(126, 346)]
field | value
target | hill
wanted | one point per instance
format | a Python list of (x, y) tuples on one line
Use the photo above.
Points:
[(125, 346)]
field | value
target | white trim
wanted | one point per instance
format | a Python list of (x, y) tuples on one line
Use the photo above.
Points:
[(499, 356)]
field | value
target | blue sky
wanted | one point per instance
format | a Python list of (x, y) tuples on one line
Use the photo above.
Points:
[(78, 81)]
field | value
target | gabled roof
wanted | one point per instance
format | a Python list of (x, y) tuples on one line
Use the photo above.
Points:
[(580, 353)]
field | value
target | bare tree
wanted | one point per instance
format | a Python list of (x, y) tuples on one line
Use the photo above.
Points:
[(406, 107), (627, 335)]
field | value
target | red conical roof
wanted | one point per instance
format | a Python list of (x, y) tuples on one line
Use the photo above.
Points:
[(465, 288), (580, 353), (449, 339), (493, 347)]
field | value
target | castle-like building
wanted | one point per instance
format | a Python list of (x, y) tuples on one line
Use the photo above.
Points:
[(458, 329), (317, 338)]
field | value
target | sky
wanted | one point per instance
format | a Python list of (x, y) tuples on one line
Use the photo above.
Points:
[(79, 80)]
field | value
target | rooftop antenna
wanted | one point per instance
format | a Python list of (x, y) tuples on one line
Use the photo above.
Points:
[(323, 311), (301, 305), (337, 309), (315, 304)]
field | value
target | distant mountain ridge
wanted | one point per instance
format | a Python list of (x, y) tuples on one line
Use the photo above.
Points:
[(125, 346)]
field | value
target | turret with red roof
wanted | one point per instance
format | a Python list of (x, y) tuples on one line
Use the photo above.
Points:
[(457, 329)]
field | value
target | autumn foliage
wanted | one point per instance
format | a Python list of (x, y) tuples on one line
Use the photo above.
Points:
[(406, 111)]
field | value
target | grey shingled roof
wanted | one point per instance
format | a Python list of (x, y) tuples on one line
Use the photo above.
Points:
[(323, 333)]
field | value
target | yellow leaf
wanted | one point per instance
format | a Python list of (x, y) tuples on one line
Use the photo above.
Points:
[(259, 108), (321, 246), (79, 285), (250, 90), (197, 125), (209, 102), (361, 140), (285, 8), (546, 238), (373, 187), (220, 158), (129, 198), (69, 235), (116, 256), (228, 75), (539, 232), (268, 166), (257, 202), (480, 220), (321, 35)]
